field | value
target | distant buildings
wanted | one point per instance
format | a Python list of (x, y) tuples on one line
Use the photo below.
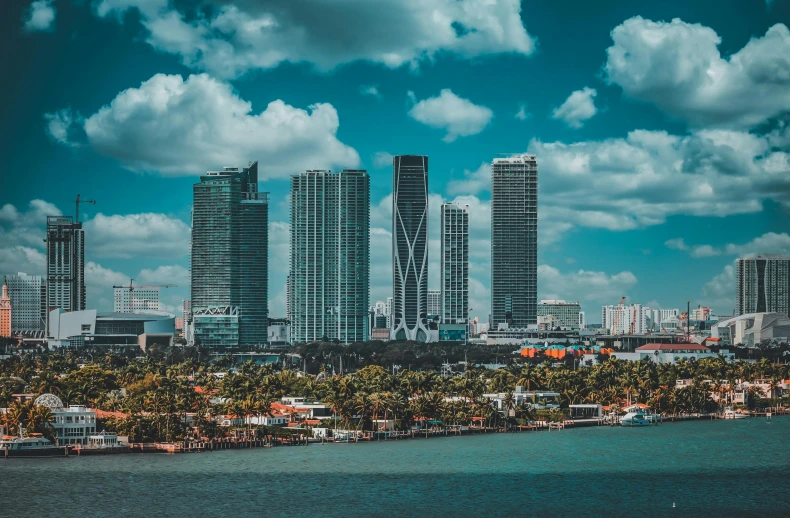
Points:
[(514, 240), (65, 282), (665, 353), (330, 256), (89, 328), (434, 303), (751, 329), (568, 315), (5, 312), (701, 314), (455, 263), (410, 248), (229, 264), (633, 319), (128, 299), (28, 294), (763, 284)]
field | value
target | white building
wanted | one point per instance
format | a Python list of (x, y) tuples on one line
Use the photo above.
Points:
[(434, 302), (73, 425), (128, 299), (566, 314), (752, 328), (90, 328), (667, 353), (662, 316), (640, 316), (28, 294)]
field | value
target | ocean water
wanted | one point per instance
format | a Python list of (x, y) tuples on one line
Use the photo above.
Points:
[(700, 468)]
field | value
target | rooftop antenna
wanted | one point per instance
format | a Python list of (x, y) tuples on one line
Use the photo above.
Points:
[(77, 206)]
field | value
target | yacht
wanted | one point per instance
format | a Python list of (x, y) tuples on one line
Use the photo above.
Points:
[(34, 446), (634, 419), (730, 413)]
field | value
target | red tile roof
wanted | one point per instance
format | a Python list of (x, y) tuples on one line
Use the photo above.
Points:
[(672, 347)]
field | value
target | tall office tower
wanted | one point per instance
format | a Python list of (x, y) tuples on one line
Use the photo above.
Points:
[(455, 263), (288, 297), (65, 264), (330, 256), (434, 303), (514, 240), (28, 294), (128, 299), (410, 248), (229, 264), (5, 311), (763, 284)]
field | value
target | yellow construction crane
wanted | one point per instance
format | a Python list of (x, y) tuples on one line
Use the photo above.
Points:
[(144, 286)]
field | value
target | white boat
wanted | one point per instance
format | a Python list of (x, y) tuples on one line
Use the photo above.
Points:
[(35, 446), (634, 419), (730, 413)]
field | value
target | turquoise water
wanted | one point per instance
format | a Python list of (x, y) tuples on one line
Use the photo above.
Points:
[(706, 468)]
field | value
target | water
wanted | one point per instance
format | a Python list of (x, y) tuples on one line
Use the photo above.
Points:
[(708, 468)]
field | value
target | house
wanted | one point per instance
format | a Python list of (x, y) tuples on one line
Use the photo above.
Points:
[(669, 353), (536, 399), (586, 411)]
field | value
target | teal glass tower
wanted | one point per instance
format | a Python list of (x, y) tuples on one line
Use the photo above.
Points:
[(229, 264), (330, 256)]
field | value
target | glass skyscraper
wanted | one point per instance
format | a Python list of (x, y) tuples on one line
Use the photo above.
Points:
[(65, 276), (28, 295), (229, 263), (514, 241), (410, 248), (763, 284), (455, 263), (330, 256)]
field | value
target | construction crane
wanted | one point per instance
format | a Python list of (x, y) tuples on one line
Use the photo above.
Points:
[(144, 286), (617, 317), (77, 204)]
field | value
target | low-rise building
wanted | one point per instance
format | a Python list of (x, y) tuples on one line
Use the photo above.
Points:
[(90, 328), (667, 353), (752, 328)]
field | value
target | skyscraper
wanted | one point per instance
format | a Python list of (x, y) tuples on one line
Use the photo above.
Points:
[(455, 263), (5, 311), (330, 256), (763, 284), (28, 294), (514, 240), (128, 299), (65, 264), (410, 248), (434, 303), (229, 263)]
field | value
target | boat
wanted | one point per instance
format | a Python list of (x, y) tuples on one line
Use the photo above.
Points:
[(634, 419), (730, 413), (34, 446)]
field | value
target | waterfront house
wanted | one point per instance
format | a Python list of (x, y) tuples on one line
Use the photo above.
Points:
[(586, 411), (666, 353), (73, 425), (534, 398)]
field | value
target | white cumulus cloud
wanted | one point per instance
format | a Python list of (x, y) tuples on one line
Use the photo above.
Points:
[(206, 125), (577, 108), (678, 67), (473, 182), (233, 38), (40, 16), (459, 117), (136, 235)]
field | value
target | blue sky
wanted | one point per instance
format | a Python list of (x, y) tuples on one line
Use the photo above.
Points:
[(661, 129)]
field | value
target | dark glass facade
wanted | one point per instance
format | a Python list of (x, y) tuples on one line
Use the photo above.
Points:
[(410, 248)]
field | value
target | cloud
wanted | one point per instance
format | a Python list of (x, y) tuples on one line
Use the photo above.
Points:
[(459, 117), (207, 125), (676, 244), (64, 126), (19, 258), (629, 183), (25, 228), (136, 235), (768, 243), (595, 288), (678, 67), (473, 181), (720, 291), (165, 274), (522, 113), (370, 90), (577, 108), (228, 40), (382, 159), (40, 16)]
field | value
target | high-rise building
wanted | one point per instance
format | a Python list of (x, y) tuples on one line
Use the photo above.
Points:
[(763, 284), (514, 240), (28, 294), (229, 263), (5, 311), (637, 314), (455, 263), (330, 256), (410, 248), (129, 299), (65, 264), (568, 314), (288, 297), (434, 303)]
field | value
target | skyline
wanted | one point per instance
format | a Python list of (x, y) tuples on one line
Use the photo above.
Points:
[(617, 215)]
